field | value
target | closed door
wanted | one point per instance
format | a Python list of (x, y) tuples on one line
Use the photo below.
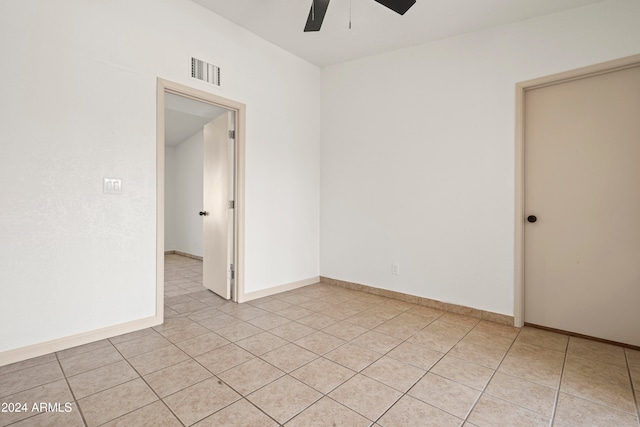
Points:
[(217, 245), (582, 182)]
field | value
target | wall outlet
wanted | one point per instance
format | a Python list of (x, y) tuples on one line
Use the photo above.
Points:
[(395, 268)]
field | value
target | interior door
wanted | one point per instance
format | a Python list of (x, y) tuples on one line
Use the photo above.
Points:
[(582, 183), (217, 245)]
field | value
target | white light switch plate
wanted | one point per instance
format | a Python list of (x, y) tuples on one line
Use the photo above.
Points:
[(112, 186)]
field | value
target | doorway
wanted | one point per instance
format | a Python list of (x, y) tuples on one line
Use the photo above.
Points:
[(577, 240), (195, 116)]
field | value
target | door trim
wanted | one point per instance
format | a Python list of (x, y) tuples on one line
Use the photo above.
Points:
[(239, 213), (519, 218)]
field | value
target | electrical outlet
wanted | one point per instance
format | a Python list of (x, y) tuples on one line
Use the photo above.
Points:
[(395, 268)]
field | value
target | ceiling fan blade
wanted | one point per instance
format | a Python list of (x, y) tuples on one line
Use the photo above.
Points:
[(398, 6), (316, 15)]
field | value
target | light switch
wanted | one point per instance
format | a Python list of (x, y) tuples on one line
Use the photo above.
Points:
[(112, 186)]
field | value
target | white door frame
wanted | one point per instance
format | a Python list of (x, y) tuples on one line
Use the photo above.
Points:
[(240, 117), (521, 89)]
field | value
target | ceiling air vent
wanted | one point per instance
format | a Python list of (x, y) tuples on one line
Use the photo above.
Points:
[(204, 71)]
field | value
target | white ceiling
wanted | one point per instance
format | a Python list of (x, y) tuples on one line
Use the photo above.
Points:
[(375, 29), (184, 117)]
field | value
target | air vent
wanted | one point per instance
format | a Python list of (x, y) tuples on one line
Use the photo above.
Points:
[(204, 71)]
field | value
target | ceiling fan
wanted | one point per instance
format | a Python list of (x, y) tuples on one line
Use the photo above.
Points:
[(319, 9)]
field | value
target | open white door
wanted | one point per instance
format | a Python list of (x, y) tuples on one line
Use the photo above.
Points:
[(217, 245)]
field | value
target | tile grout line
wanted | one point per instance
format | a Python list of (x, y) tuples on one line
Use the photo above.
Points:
[(589, 399), (2, 374), (406, 393), (148, 385), (252, 404), (557, 396), (475, 403), (392, 405), (286, 374), (302, 410), (66, 380), (439, 359), (635, 395), (328, 360), (428, 370), (356, 372), (242, 396)]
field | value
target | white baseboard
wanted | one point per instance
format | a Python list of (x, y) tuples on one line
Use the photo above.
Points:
[(40, 349), (277, 289)]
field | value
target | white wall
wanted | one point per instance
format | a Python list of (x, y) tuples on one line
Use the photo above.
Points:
[(183, 196), (170, 198), (78, 103), (188, 195), (417, 152)]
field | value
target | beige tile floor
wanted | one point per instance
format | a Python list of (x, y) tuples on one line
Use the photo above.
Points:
[(324, 356)]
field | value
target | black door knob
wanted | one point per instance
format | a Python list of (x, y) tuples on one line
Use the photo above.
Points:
[(532, 218), (204, 213)]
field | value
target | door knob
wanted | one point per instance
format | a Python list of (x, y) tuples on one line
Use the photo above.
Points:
[(204, 213), (532, 218)]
